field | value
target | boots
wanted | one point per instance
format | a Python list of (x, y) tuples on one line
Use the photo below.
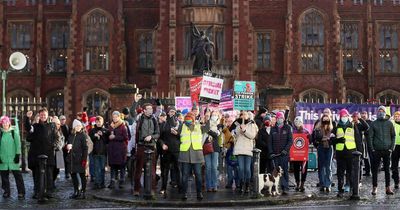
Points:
[(82, 195), (389, 191), (301, 188), (76, 194), (374, 191), (247, 187), (297, 188), (112, 183)]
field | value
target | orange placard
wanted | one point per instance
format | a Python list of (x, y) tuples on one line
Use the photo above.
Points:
[(299, 149)]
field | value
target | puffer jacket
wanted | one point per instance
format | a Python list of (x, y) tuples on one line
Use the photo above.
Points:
[(381, 135), (245, 141)]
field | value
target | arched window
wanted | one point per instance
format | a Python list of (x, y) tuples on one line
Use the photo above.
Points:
[(97, 41), (312, 42), (354, 97), (388, 48), (55, 102), (146, 50), (313, 96), (388, 96), (97, 102), (349, 41)]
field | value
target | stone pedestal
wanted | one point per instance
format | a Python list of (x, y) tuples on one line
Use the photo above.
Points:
[(276, 97), (122, 95)]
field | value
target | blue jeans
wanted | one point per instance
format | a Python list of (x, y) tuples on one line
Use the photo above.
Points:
[(244, 163), (211, 170), (99, 162), (187, 169), (324, 163), (232, 172), (283, 162)]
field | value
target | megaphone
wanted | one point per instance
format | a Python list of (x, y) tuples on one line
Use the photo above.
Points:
[(17, 61)]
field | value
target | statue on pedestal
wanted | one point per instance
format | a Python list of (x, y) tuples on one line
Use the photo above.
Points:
[(203, 50)]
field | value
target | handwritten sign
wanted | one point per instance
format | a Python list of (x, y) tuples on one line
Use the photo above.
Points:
[(211, 89)]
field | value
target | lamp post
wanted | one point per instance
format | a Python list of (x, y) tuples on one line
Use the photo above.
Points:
[(4, 79)]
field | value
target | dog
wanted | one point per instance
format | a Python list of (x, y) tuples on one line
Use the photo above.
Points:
[(271, 180)]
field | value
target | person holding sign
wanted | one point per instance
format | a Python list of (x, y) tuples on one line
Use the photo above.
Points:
[(300, 166)]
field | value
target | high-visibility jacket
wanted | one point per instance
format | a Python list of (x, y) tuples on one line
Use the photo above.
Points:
[(350, 142), (397, 131), (191, 138)]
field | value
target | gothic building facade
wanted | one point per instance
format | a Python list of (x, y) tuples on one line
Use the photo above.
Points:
[(310, 50)]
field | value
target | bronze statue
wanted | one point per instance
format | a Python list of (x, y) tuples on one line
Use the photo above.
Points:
[(203, 50)]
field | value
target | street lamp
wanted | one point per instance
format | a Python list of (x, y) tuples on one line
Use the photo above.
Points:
[(17, 61)]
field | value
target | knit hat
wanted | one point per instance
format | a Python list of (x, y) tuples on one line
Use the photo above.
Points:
[(116, 113), (163, 114), (267, 117), (343, 112), (190, 116), (125, 111), (92, 119), (76, 123), (5, 119), (280, 115), (383, 108), (298, 120), (185, 111), (355, 114)]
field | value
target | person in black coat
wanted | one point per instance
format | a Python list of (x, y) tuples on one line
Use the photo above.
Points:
[(65, 131), (262, 144), (42, 137), (77, 158)]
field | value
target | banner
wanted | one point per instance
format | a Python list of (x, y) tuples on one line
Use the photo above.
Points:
[(244, 95), (311, 112), (195, 87), (299, 149), (226, 102), (211, 89), (182, 103)]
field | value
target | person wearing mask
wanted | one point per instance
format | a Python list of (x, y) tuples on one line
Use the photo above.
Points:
[(10, 152), (66, 131), (77, 158), (170, 144), (396, 151), (346, 141), (99, 136), (262, 144), (117, 149), (211, 160), (191, 153), (245, 132), (381, 140), (148, 132), (300, 167), (279, 143), (367, 157), (322, 138), (42, 136)]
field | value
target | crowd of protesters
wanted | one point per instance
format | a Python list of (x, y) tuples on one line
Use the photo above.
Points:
[(192, 144)]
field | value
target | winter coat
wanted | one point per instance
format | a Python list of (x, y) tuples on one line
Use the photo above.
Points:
[(357, 138), (262, 142), (245, 141), (215, 134), (280, 139), (172, 141), (42, 138), (118, 147), (99, 143), (148, 126), (78, 153), (381, 135), (9, 147)]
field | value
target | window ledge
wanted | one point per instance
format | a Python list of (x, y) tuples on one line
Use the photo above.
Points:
[(314, 73), (90, 72), (62, 73)]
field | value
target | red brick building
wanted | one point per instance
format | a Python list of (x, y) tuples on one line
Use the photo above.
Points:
[(83, 52)]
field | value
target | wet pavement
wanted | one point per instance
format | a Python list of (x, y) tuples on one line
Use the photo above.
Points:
[(224, 198)]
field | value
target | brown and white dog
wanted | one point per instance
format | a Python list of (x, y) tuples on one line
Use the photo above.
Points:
[(271, 180)]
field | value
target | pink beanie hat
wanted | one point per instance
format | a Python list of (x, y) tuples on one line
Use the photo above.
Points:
[(343, 112), (280, 115), (4, 119)]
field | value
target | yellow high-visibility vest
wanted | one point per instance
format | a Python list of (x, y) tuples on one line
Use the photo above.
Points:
[(397, 131), (349, 136), (191, 138)]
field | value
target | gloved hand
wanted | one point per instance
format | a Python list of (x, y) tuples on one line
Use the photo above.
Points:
[(16, 158), (84, 162), (341, 140), (284, 153)]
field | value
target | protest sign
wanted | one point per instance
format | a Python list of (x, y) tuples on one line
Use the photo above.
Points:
[(195, 87), (211, 89), (244, 95), (299, 149), (182, 103)]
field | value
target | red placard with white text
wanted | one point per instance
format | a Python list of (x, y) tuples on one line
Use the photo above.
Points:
[(299, 149)]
